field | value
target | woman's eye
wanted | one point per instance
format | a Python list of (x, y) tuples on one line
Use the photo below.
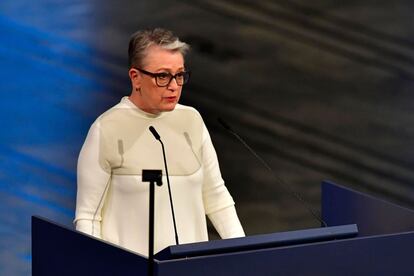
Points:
[(163, 76)]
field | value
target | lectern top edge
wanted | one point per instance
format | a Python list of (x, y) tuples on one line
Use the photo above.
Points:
[(258, 242)]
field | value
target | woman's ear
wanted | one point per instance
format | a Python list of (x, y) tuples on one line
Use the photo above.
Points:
[(135, 78)]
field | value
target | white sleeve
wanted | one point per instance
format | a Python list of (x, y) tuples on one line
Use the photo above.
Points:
[(93, 182), (218, 203), (227, 223)]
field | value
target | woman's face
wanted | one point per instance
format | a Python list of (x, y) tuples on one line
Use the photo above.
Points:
[(150, 97)]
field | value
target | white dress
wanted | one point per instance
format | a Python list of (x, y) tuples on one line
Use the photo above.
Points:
[(112, 200)]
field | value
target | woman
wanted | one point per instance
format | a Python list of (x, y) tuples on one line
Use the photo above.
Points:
[(112, 201)]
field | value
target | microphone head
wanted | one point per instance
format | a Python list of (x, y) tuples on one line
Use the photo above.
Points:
[(155, 133)]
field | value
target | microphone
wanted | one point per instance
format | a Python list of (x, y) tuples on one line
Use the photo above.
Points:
[(279, 181), (158, 137), (155, 133)]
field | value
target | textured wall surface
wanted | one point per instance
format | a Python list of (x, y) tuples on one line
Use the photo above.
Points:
[(320, 90)]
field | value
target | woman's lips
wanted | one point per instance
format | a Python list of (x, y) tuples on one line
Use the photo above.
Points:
[(170, 99)]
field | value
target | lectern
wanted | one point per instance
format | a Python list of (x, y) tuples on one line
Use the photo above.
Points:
[(366, 236)]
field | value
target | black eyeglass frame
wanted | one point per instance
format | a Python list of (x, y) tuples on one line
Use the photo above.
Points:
[(185, 75)]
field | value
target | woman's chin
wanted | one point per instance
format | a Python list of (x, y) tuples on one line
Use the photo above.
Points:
[(169, 107)]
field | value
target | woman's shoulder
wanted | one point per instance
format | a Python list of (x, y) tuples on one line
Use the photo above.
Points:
[(181, 107), (111, 114), (188, 115)]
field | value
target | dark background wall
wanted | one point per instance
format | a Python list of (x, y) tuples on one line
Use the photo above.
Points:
[(321, 90)]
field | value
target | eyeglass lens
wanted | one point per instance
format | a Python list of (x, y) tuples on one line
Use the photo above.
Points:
[(163, 79)]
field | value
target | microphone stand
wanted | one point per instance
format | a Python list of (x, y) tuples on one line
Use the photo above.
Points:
[(278, 180), (151, 176), (158, 137)]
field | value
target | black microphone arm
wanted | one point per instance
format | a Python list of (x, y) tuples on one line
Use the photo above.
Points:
[(278, 180), (158, 137), (155, 133)]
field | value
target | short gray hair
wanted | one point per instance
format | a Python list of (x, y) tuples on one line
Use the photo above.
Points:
[(142, 40)]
